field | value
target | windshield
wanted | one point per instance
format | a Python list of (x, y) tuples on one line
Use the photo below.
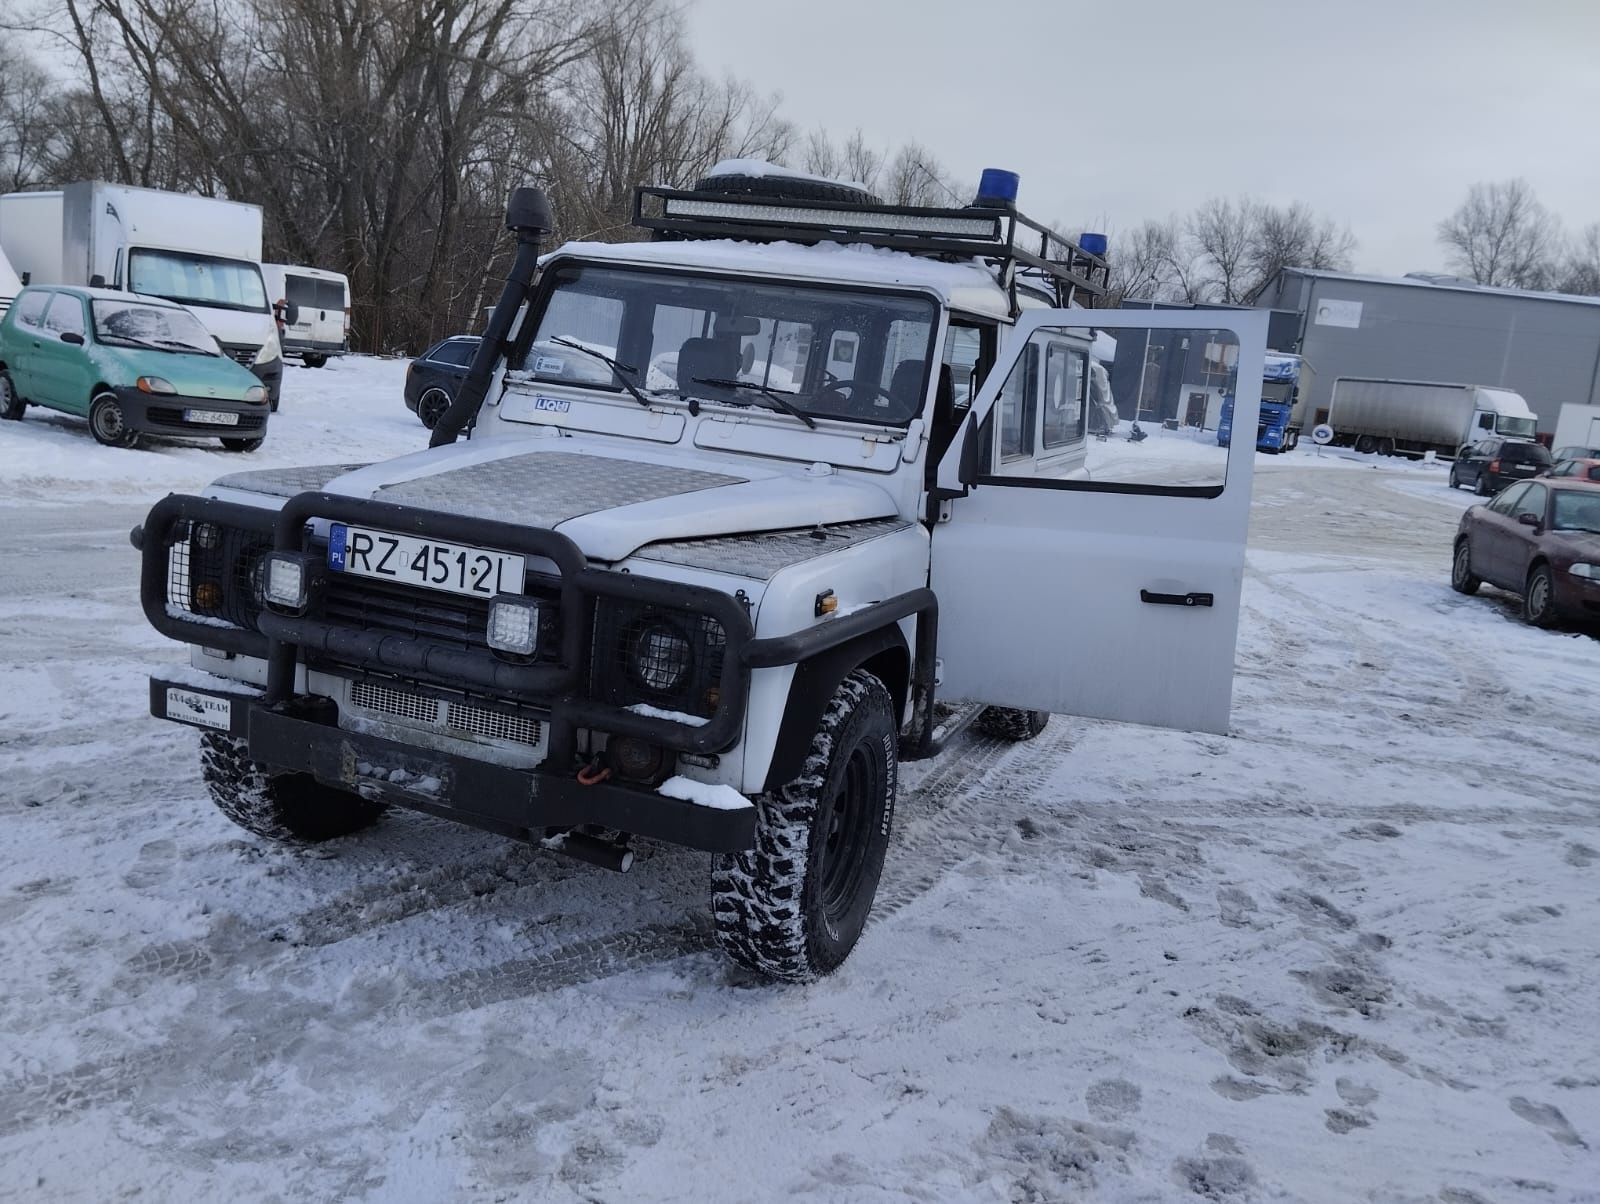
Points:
[(1576, 510), (133, 324), (191, 279), (1517, 428), (829, 352)]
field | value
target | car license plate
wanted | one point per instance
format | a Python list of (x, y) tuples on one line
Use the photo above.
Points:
[(202, 710), (430, 563), (212, 417)]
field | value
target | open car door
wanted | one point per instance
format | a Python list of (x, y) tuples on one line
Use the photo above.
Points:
[(1110, 587)]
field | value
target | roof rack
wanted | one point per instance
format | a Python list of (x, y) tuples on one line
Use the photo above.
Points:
[(1013, 244)]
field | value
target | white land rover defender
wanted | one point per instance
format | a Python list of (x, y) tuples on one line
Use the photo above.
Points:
[(740, 508)]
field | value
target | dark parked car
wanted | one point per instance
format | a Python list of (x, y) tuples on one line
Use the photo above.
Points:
[(436, 374), (1540, 539), (1491, 464), (1575, 452), (1584, 469)]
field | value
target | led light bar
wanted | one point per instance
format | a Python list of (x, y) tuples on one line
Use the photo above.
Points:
[(786, 215)]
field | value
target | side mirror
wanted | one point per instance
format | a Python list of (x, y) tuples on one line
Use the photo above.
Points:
[(747, 357), (73, 337), (291, 313), (97, 281), (1529, 520)]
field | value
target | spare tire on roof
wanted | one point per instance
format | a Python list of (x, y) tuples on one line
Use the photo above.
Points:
[(789, 188)]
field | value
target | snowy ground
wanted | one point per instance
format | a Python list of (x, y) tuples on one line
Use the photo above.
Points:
[(1346, 953)]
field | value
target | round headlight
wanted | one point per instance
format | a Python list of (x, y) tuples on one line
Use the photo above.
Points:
[(255, 393), (659, 656)]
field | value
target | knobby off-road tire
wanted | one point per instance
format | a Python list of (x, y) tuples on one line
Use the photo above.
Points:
[(293, 808), (1539, 598), (11, 403), (1461, 577), (794, 906), (1008, 723)]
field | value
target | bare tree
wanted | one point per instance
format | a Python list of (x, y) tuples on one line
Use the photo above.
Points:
[(1294, 237), (27, 119), (1502, 235), (1223, 235), (1579, 269)]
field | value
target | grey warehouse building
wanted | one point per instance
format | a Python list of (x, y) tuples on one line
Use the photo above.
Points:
[(1545, 346)]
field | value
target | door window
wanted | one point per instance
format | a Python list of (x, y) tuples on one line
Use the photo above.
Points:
[(30, 310), (1509, 498), (1531, 501), (456, 351), (963, 351), (1171, 379), (65, 315)]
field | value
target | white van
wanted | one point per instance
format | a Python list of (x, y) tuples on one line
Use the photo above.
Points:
[(314, 307), (10, 285)]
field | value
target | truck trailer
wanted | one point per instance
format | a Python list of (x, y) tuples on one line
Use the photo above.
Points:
[(1578, 426), (1413, 417), (10, 285), (201, 252)]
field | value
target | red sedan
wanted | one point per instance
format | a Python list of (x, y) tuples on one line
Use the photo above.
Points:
[(1582, 470), (1540, 539)]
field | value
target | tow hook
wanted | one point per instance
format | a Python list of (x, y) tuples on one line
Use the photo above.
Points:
[(595, 772)]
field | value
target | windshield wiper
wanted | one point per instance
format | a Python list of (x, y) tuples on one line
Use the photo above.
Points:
[(185, 346), (616, 369), (779, 401)]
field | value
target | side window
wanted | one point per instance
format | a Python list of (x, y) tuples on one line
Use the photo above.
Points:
[(1563, 469), (30, 310), (65, 315), (1508, 498), (963, 348), (456, 351), (301, 291), (330, 295), (1532, 501), (1066, 377), (1017, 407), (1486, 422)]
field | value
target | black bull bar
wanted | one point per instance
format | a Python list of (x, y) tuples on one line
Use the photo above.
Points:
[(281, 637)]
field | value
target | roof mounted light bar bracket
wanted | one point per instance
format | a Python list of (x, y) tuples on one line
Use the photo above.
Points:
[(1059, 265)]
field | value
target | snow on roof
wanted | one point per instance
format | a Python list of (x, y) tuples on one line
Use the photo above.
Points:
[(760, 167), (1430, 281), (968, 286)]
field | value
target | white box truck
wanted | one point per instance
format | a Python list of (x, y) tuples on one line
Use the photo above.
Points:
[(313, 308), (10, 285), (1411, 417), (1577, 427), (201, 252)]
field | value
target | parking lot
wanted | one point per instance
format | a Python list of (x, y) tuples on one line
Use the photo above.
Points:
[(1345, 952)]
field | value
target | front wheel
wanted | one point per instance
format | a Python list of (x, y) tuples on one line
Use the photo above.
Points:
[(1461, 576), (1481, 485), (1539, 599), (1455, 478), (108, 424), (241, 445), (794, 906), (293, 808)]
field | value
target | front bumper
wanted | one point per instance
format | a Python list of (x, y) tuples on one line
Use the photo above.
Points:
[(163, 414), (522, 804), (294, 346)]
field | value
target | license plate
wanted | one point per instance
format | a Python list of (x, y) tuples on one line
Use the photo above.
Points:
[(212, 417), (429, 563), (202, 710)]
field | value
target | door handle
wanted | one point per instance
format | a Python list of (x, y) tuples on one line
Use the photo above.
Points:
[(1175, 599)]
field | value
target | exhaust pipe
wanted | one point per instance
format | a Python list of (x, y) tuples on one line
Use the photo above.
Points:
[(528, 217)]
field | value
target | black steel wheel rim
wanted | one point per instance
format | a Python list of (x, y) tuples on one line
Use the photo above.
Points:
[(108, 419), (1538, 595), (1463, 563), (847, 821)]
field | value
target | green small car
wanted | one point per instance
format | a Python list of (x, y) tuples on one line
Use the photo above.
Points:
[(132, 365)]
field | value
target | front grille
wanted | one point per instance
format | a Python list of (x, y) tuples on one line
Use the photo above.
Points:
[(439, 713), (174, 417), (242, 355)]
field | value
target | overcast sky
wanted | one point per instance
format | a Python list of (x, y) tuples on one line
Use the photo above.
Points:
[(1378, 113)]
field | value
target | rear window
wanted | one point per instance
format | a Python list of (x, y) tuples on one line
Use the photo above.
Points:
[(312, 293), (1525, 453)]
